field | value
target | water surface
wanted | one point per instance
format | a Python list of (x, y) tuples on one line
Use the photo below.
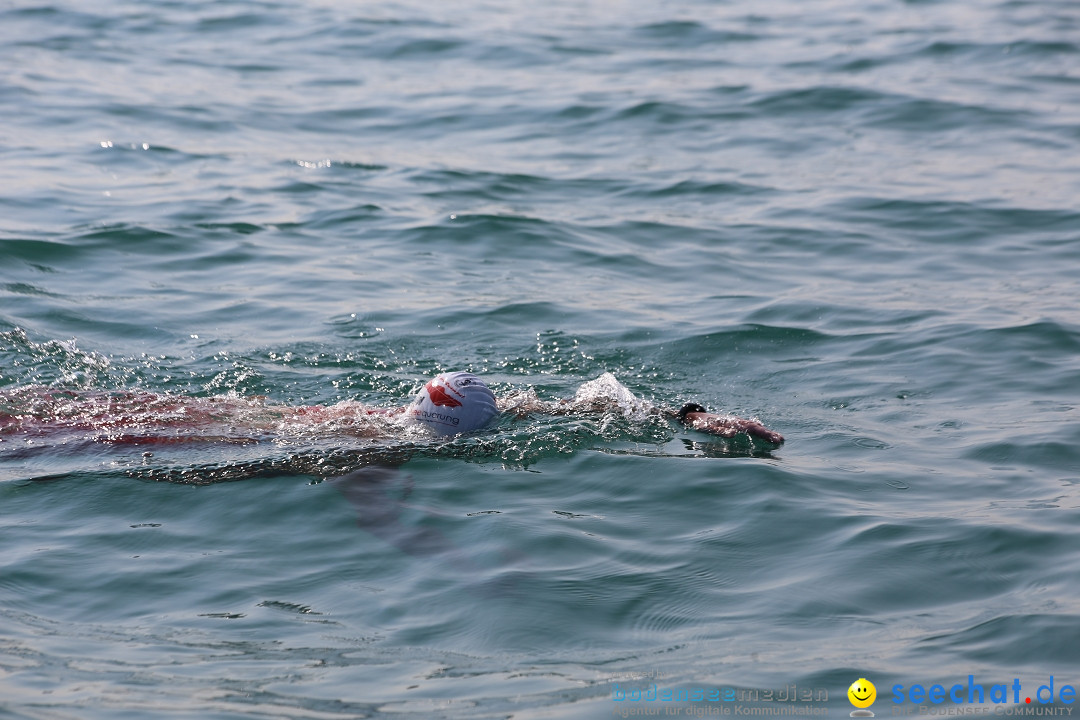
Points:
[(856, 222)]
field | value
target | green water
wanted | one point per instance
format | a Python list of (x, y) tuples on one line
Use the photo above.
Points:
[(855, 222)]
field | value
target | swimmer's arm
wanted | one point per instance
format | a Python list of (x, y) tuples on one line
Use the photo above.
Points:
[(691, 415), (698, 418), (523, 403)]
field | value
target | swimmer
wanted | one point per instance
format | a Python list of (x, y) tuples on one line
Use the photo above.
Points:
[(449, 404), (460, 402)]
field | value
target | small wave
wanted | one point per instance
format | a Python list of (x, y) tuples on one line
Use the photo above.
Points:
[(1009, 640), (690, 33)]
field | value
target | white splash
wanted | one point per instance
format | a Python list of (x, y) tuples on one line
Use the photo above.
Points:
[(606, 394)]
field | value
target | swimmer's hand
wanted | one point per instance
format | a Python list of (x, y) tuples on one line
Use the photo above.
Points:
[(698, 418)]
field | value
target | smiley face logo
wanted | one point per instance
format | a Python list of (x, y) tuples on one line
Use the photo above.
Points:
[(862, 693)]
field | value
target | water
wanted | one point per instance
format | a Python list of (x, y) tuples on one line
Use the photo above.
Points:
[(856, 222)]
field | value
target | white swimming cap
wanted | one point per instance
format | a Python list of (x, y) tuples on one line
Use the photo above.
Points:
[(453, 403)]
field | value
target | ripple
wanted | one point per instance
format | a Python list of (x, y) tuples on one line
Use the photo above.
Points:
[(859, 226), (1037, 639)]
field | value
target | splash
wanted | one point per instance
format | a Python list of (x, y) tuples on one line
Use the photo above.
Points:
[(59, 362), (606, 394)]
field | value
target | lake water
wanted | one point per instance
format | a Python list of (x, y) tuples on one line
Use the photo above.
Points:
[(858, 222)]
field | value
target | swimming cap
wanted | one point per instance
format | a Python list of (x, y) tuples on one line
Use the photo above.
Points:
[(453, 403)]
